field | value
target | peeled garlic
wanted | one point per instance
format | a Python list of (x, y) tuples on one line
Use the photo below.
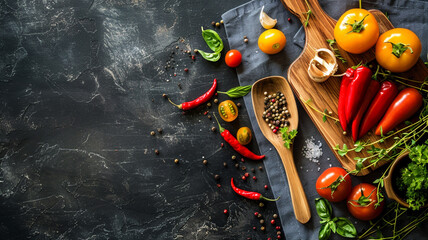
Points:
[(266, 21), (323, 65)]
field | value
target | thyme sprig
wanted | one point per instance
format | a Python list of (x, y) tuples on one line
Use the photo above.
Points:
[(325, 114), (308, 14), (385, 74), (335, 50)]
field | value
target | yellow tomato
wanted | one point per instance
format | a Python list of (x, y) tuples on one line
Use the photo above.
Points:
[(356, 31), (228, 110), (272, 41), (398, 49), (244, 135)]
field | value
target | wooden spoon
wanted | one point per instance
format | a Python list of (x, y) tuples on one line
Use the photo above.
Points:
[(272, 85)]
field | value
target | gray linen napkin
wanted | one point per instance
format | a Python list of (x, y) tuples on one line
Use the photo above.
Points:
[(244, 21)]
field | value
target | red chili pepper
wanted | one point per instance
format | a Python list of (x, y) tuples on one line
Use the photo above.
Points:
[(233, 142), (378, 107), (343, 96), (356, 91), (198, 101), (407, 103), (370, 94), (248, 194)]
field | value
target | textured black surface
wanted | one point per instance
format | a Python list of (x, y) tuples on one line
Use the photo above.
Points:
[(81, 86)]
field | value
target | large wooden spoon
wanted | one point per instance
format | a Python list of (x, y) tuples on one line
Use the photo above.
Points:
[(272, 85)]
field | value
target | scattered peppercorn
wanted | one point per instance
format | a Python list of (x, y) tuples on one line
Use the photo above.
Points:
[(236, 165), (213, 23), (221, 144), (261, 204), (217, 24), (157, 152), (262, 228), (209, 116), (205, 162), (254, 178), (244, 168), (213, 129), (176, 47), (245, 37), (289, 20), (186, 69), (233, 157), (246, 174), (193, 57), (260, 168), (225, 211), (224, 164), (196, 50), (266, 186), (221, 21), (262, 221), (259, 215), (275, 215), (152, 133), (344, 133), (256, 214), (217, 177), (246, 40), (238, 105), (164, 95), (209, 104), (278, 228), (206, 112), (272, 221), (278, 237), (160, 130), (218, 185), (278, 233), (176, 161), (244, 178), (216, 100), (254, 228)]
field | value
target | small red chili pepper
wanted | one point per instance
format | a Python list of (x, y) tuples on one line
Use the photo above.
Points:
[(370, 94), (248, 194), (343, 96), (378, 107), (233, 142), (357, 87), (198, 101)]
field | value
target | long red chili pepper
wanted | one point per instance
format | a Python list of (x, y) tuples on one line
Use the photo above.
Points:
[(407, 103), (248, 194), (233, 142), (343, 96), (378, 107), (356, 91), (370, 94), (198, 101)]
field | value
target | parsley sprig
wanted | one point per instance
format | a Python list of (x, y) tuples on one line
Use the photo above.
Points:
[(288, 136)]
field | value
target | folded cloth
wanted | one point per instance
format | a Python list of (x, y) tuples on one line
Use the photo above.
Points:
[(309, 145)]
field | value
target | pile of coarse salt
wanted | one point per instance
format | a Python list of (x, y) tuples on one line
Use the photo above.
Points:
[(312, 150)]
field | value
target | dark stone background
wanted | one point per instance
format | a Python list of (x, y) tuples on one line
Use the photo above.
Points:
[(81, 86)]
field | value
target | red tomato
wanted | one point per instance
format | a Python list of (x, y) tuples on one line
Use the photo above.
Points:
[(334, 184), (407, 103), (362, 202), (233, 58)]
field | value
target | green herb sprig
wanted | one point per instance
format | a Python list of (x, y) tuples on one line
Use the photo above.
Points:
[(339, 225), (214, 42), (335, 50), (237, 92), (288, 136), (308, 14)]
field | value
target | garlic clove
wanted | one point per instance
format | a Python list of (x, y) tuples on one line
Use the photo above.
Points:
[(266, 21), (323, 65)]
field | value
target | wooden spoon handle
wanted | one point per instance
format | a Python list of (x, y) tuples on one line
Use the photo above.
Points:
[(298, 196)]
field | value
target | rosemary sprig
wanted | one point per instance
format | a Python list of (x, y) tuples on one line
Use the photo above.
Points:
[(335, 50)]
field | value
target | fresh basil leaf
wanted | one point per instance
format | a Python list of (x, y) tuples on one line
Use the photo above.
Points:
[(212, 39), (333, 225), (325, 232), (213, 57), (237, 92), (323, 208), (345, 228)]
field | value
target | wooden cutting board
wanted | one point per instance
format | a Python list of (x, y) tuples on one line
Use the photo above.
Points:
[(325, 95)]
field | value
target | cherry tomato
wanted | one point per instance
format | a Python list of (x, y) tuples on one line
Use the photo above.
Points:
[(244, 135), (362, 202), (407, 103), (233, 58), (356, 31), (398, 49), (228, 110), (334, 184), (272, 41)]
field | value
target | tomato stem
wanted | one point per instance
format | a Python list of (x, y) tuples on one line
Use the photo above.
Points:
[(357, 26)]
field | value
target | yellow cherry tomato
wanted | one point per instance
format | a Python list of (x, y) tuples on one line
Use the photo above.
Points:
[(356, 31), (228, 110), (244, 135), (272, 41), (398, 49)]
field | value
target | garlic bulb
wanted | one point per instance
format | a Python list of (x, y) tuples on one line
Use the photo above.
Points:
[(266, 21), (323, 65)]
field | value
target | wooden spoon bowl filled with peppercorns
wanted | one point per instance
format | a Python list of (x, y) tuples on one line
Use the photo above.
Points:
[(277, 116)]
